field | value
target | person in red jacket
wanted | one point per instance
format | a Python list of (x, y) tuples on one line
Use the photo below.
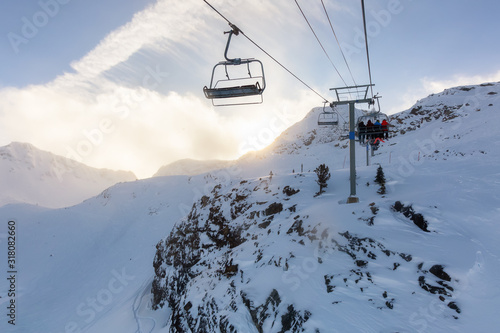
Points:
[(385, 129)]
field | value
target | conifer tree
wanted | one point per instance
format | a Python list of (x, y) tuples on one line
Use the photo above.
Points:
[(380, 179), (323, 173)]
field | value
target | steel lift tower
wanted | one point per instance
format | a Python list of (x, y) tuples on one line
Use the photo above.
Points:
[(352, 95)]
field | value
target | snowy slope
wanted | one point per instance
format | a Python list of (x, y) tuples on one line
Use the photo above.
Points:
[(80, 264), (246, 255), (30, 175)]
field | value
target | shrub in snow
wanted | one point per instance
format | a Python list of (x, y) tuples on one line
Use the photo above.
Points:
[(323, 173)]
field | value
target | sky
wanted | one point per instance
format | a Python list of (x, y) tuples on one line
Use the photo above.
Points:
[(118, 84)]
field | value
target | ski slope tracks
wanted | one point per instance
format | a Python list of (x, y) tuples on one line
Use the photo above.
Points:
[(253, 248)]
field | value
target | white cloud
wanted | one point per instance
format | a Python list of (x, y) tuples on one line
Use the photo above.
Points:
[(118, 130), (165, 20)]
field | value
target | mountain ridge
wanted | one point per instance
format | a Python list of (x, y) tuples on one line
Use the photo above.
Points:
[(38, 177), (191, 167)]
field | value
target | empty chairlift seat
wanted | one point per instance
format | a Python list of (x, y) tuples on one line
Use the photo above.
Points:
[(328, 117), (232, 92), (236, 81)]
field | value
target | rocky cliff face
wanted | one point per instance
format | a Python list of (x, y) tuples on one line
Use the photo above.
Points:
[(247, 253)]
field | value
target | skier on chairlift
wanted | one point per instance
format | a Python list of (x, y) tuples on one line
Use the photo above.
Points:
[(377, 128), (385, 129), (362, 132), (369, 129)]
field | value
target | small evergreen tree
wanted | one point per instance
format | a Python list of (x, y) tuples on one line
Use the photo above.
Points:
[(380, 179), (323, 173)]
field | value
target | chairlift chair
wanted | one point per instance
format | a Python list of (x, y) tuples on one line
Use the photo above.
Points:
[(328, 117), (231, 90), (373, 117)]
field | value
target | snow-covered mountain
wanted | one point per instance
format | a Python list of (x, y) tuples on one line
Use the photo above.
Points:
[(253, 248), (30, 175), (190, 167)]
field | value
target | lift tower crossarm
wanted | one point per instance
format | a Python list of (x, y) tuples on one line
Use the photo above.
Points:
[(360, 94)]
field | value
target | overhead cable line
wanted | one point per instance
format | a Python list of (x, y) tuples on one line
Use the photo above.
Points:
[(338, 43), (320, 43), (366, 43), (260, 48)]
